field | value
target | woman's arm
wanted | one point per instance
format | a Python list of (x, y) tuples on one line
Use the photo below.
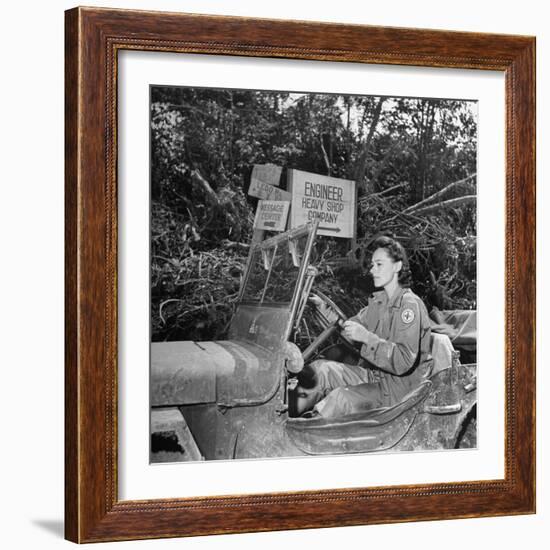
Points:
[(397, 355)]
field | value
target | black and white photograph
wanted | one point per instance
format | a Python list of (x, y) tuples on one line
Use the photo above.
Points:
[(274, 274), (313, 282)]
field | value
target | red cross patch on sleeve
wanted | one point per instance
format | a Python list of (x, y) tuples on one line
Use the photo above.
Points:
[(407, 316)]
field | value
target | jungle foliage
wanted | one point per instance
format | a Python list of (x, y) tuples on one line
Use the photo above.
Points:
[(414, 161)]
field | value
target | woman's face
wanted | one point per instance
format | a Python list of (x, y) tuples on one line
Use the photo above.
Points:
[(384, 269)]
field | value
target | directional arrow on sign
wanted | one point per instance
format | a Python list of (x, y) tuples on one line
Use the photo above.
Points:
[(269, 224), (333, 229)]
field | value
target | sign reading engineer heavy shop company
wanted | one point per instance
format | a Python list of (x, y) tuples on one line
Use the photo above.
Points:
[(329, 200)]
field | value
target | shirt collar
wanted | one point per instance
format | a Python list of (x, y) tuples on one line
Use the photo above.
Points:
[(381, 297)]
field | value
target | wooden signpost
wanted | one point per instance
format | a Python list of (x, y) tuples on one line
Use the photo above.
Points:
[(311, 197)]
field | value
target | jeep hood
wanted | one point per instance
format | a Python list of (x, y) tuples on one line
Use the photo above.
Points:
[(228, 373)]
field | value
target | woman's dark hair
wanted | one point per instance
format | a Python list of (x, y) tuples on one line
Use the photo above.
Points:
[(397, 253)]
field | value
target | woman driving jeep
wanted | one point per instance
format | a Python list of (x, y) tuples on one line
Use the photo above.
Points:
[(394, 334)]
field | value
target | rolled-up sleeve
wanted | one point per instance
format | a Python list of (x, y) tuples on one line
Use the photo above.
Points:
[(399, 354)]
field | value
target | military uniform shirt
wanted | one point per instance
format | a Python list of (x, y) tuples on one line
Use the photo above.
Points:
[(399, 343)]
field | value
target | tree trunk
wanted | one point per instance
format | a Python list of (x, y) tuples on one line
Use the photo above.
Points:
[(425, 135), (361, 164)]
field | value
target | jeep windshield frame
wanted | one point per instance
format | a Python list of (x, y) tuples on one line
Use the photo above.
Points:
[(266, 266)]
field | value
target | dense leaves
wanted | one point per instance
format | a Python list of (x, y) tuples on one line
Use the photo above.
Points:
[(414, 161)]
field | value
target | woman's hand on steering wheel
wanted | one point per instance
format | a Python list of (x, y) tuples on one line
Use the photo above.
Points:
[(355, 332)]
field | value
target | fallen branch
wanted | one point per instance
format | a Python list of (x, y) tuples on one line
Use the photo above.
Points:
[(229, 299), (439, 194), (451, 203), (380, 193), (163, 304), (227, 244), (210, 193)]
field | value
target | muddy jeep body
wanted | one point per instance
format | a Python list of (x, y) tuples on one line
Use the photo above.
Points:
[(230, 399)]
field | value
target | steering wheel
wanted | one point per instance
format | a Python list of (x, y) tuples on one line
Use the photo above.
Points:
[(334, 327)]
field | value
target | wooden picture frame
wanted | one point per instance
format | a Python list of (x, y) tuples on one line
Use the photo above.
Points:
[(93, 511)]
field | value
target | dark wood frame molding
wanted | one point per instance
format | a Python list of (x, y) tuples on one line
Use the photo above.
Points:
[(93, 511)]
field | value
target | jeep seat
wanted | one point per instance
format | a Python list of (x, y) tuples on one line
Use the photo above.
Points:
[(372, 430)]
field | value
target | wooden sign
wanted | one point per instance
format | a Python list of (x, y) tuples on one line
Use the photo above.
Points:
[(271, 215), (266, 173), (267, 192), (329, 200)]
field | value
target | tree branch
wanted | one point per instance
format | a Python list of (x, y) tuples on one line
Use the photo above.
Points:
[(210, 193), (361, 166), (451, 203), (438, 195), (325, 156)]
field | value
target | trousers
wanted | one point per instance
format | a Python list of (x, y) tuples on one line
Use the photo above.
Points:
[(340, 389)]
